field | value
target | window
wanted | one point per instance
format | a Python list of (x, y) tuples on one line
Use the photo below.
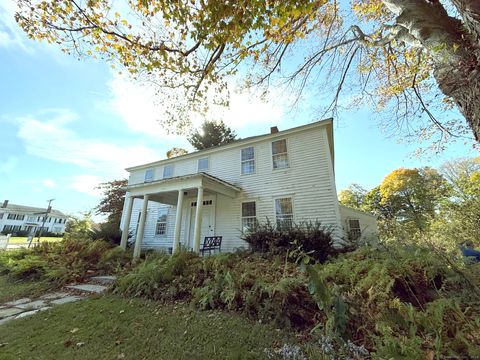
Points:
[(31, 218), (1, 216), (284, 212), (248, 160), (249, 216), (149, 175), (203, 164), (167, 171), (161, 228), (279, 154), (354, 231), (11, 217), (12, 228)]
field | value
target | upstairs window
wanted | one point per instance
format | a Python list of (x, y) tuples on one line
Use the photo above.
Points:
[(279, 154), (249, 216), (354, 231), (284, 212), (203, 164), (167, 171), (11, 217), (31, 218), (1, 216), (149, 175), (161, 228), (248, 161)]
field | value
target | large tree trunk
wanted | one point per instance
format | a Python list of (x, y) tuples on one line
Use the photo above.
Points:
[(453, 45)]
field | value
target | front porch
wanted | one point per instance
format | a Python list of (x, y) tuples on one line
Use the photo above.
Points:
[(190, 194)]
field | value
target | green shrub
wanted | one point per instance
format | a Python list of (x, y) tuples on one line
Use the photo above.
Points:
[(311, 238), (64, 261)]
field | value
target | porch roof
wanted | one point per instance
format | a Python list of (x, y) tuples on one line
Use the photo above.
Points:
[(184, 182)]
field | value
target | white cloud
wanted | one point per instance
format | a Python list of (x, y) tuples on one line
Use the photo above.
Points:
[(49, 183), (10, 33), (136, 104), (87, 184), (47, 135)]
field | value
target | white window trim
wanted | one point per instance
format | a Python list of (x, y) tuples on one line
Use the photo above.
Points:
[(165, 167), (247, 217), (145, 175), (198, 164), (254, 161), (290, 196), (160, 213), (287, 143)]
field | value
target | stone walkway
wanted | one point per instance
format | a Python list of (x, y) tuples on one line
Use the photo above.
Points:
[(25, 307)]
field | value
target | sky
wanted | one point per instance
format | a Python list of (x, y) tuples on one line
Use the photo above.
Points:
[(67, 125)]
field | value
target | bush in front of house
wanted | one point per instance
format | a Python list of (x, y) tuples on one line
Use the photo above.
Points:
[(307, 238)]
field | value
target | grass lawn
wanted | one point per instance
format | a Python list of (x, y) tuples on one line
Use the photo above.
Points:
[(23, 239), (14, 289), (111, 327)]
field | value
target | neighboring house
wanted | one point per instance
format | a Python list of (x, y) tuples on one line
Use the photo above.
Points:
[(284, 176), (26, 219)]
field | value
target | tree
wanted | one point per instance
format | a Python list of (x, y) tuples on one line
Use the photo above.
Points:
[(112, 201), (353, 196), (175, 151), (212, 134), (404, 55), (414, 195)]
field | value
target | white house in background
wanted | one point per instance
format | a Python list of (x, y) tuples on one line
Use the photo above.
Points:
[(15, 218), (283, 176)]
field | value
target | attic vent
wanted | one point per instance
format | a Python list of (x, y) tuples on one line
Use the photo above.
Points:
[(273, 130)]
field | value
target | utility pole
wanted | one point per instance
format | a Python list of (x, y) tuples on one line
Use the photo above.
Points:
[(49, 209)]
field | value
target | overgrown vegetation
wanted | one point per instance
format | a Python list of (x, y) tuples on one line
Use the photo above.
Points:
[(62, 262), (310, 238), (396, 302)]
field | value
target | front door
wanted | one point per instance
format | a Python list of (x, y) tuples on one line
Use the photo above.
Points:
[(208, 220)]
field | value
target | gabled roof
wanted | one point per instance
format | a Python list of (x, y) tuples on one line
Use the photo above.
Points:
[(11, 208), (242, 142)]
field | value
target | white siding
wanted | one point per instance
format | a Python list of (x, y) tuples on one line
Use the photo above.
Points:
[(368, 223), (309, 181)]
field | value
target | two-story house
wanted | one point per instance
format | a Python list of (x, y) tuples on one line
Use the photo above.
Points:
[(29, 220), (284, 176)]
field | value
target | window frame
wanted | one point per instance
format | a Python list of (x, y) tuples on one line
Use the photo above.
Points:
[(158, 222), (284, 153), (244, 218), (148, 178), (169, 166), (208, 164), (292, 215), (249, 160), (354, 233)]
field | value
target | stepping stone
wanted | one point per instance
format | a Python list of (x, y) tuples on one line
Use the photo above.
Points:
[(104, 280), (53, 296), (91, 288), (32, 305), (7, 319), (18, 302), (5, 313), (65, 300), (28, 313)]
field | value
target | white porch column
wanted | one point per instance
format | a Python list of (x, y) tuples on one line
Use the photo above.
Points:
[(178, 222), (198, 220), (141, 228), (126, 224)]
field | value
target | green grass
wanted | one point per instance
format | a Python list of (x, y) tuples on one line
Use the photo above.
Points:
[(14, 289), (111, 327), (23, 239)]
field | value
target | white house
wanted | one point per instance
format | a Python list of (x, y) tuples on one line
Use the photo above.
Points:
[(19, 218), (283, 176)]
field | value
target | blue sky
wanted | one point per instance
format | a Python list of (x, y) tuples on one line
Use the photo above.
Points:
[(68, 124)]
